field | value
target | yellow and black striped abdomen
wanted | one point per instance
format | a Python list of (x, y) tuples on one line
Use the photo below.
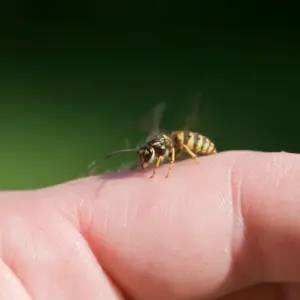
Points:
[(203, 145), (197, 143)]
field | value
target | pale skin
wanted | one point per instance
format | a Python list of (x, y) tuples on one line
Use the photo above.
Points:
[(226, 228)]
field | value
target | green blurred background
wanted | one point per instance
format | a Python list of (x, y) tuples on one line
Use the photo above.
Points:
[(75, 78)]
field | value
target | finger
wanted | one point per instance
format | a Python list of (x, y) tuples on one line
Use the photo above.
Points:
[(209, 229), (43, 256)]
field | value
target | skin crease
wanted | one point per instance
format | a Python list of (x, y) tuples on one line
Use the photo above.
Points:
[(226, 228)]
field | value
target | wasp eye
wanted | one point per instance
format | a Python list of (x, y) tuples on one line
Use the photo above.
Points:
[(147, 155)]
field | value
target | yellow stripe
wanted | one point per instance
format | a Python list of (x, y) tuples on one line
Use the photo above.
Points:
[(190, 142), (206, 146), (199, 143), (180, 137), (215, 150), (211, 148)]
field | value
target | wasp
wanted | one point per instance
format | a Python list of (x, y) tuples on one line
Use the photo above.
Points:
[(159, 146)]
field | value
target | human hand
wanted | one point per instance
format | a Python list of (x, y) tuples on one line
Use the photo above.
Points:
[(226, 228)]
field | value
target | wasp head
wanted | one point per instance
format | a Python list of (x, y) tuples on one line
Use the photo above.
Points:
[(146, 156)]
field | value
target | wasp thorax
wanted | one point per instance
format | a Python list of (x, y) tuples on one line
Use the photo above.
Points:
[(146, 156)]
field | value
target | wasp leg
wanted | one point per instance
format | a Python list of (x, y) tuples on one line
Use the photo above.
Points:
[(193, 155), (158, 161), (172, 162)]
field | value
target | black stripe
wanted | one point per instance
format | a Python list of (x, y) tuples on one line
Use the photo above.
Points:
[(185, 137), (203, 143), (209, 144), (196, 137)]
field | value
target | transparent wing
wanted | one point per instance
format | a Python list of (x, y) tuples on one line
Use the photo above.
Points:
[(93, 168), (151, 122), (198, 118), (192, 119)]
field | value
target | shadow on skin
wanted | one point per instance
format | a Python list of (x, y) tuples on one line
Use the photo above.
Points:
[(138, 172), (134, 170)]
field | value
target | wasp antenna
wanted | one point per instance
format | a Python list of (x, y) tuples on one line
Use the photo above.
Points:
[(120, 151)]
